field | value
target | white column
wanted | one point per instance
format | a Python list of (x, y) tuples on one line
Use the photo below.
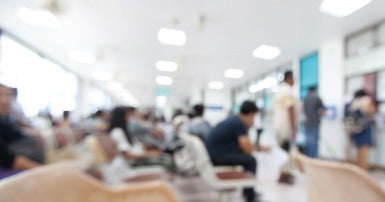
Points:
[(333, 140)]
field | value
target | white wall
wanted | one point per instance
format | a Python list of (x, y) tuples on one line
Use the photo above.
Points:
[(333, 141), (217, 98), (369, 62)]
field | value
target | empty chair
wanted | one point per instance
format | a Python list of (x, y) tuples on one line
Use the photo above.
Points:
[(338, 182), (223, 180)]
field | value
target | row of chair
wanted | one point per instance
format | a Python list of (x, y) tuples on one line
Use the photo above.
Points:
[(68, 181)]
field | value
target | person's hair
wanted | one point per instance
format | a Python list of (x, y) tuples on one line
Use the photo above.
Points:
[(248, 107), (66, 114), (312, 88), (199, 109), (119, 120), (287, 75), (177, 112), (360, 93)]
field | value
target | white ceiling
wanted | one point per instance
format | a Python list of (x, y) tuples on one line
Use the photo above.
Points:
[(122, 33)]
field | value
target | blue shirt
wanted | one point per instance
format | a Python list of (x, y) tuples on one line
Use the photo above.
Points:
[(223, 139)]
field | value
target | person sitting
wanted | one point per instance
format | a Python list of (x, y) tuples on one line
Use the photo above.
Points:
[(229, 143), (17, 151), (198, 125), (130, 146)]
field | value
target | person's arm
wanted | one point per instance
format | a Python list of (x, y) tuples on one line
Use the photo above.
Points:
[(292, 121), (245, 144), (371, 107), (147, 154), (22, 163), (321, 107), (10, 160)]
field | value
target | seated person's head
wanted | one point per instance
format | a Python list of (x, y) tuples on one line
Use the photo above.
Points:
[(247, 112)]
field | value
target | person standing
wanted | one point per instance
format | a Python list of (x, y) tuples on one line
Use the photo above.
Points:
[(285, 122), (362, 103), (229, 144), (313, 108)]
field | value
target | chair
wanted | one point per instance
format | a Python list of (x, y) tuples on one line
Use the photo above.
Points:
[(338, 182), (65, 182), (222, 179), (104, 151)]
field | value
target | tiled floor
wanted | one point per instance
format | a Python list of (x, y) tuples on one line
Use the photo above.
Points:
[(194, 189)]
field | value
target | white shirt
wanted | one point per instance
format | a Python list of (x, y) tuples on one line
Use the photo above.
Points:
[(120, 139), (283, 100)]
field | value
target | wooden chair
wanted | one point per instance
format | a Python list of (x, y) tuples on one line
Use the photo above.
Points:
[(338, 182), (64, 182)]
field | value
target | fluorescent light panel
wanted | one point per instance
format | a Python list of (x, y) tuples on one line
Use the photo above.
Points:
[(253, 88), (172, 37), (39, 17), (164, 80), (166, 66), (216, 85), (342, 8), (266, 83), (82, 57), (266, 52), (233, 73)]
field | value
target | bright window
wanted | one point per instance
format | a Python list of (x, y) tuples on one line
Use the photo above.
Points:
[(42, 84)]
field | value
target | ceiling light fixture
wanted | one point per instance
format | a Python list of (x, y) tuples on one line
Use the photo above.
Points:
[(172, 37), (216, 85), (166, 66), (233, 73), (39, 18), (269, 82), (253, 88), (342, 8), (82, 57), (266, 52), (164, 80)]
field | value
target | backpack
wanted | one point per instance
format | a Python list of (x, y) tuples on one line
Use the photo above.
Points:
[(355, 121)]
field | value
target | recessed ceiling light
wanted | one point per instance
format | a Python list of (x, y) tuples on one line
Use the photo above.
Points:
[(266, 52), (342, 8), (216, 85), (163, 80), (172, 37), (102, 75), (233, 73), (253, 88), (39, 17), (82, 57), (166, 66), (269, 82)]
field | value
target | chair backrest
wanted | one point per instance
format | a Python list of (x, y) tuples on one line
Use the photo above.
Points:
[(338, 182), (202, 160), (63, 183)]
